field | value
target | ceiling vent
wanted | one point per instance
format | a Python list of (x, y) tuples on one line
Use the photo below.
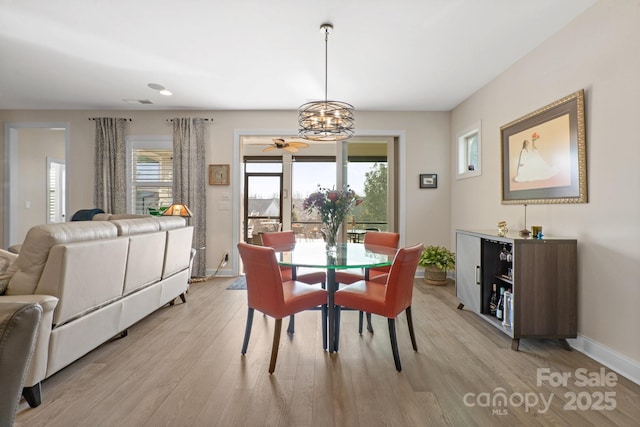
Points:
[(137, 101)]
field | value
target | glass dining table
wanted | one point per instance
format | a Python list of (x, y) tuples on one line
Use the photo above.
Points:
[(344, 256)]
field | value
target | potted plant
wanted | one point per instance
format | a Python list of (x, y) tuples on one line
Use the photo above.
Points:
[(436, 260)]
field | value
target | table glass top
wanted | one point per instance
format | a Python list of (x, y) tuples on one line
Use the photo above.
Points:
[(348, 255)]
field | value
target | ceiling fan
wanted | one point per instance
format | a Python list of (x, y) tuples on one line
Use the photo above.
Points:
[(292, 147)]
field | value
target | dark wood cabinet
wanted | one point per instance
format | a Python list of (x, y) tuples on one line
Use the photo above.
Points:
[(540, 273)]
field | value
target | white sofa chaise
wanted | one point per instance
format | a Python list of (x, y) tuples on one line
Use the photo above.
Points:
[(94, 279)]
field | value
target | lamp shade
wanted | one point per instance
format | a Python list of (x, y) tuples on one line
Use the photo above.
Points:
[(178, 209)]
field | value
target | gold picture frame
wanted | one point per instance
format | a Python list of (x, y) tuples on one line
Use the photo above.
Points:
[(544, 155), (218, 174)]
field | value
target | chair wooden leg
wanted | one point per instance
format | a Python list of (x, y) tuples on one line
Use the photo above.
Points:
[(411, 333), (292, 325), (394, 343), (276, 344), (324, 326), (183, 298), (369, 325), (247, 331)]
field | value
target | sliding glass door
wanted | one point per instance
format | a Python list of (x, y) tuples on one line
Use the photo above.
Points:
[(277, 181), (262, 198), (307, 174), (367, 173)]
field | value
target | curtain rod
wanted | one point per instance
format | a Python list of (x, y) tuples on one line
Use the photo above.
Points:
[(95, 118)]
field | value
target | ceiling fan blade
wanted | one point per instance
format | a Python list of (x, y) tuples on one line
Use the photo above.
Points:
[(290, 149), (298, 144), (269, 148)]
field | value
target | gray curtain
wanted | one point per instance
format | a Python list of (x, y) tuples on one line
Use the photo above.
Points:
[(110, 160), (189, 182)]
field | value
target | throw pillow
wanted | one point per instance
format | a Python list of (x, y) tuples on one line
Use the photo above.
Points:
[(4, 276)]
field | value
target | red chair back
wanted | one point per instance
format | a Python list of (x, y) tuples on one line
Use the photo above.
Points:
[(264, 281), (382, 238), (278, 238), (399, 289)]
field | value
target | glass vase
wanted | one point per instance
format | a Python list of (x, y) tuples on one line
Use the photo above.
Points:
[(331, 239)]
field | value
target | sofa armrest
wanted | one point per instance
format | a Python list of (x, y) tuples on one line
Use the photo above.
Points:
[(18, 328), (38, 367), (47, 302)]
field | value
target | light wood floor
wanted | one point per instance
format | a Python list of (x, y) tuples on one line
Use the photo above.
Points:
[(181, 366)]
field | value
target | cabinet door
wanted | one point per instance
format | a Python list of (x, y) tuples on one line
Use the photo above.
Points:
[(468, 287)]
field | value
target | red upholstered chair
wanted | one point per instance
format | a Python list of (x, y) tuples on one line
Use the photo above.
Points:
[(388, 301), (378, 238), (268, 293), (288, 238)]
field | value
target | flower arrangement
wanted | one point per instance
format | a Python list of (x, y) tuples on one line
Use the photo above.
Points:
[(333, 207)]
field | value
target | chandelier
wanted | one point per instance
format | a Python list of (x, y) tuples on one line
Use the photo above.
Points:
[(325, 120)]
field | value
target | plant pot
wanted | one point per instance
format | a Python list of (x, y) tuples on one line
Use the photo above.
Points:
[(434, 276)]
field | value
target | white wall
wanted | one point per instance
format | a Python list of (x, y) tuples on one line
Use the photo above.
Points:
[(598, 52), (426, 139)]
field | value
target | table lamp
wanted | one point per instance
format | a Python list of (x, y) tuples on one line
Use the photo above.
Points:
[(178, 209)]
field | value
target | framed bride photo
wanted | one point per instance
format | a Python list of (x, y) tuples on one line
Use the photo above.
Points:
[(544, 155)]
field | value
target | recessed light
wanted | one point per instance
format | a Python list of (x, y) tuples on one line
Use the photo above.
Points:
[(163, 90)]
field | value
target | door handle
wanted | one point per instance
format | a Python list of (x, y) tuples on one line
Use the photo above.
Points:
[(477, 275)]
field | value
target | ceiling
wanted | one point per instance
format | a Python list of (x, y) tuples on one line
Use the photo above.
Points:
[(384, 55)]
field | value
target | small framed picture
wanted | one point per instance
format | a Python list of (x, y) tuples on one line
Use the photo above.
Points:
[(218, 174), (428, 180)]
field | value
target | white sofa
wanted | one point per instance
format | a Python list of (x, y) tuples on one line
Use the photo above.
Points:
[(94, 279)]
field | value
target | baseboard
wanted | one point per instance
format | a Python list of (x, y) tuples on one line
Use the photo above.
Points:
[(615, 361), (212, 273)]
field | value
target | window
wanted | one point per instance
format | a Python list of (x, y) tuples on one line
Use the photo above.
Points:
[(469, 152), (150, 163), (55, 187)]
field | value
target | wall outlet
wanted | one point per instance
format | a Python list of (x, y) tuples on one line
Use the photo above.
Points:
[(226, 256)]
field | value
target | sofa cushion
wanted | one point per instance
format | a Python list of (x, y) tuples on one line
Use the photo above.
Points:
[(171, 222), (7, 269), (178, 250), (129, 227), (144, 261), (40, 239), (84, 276), (111, 216)]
